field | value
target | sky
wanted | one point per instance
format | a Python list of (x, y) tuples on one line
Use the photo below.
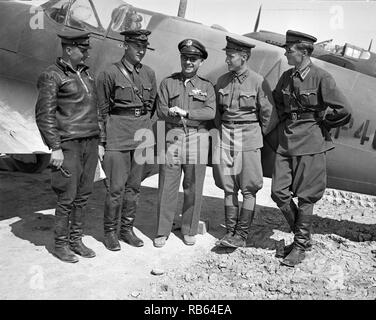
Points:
[(343, 21)]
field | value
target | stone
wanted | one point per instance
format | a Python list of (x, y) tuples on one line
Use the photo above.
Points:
[(157, 272), (203, 226)]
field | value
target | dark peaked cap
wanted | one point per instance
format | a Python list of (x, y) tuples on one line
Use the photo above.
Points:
[(192, 47), (75, 38), (293, 37), (140, 36), (238, 45)]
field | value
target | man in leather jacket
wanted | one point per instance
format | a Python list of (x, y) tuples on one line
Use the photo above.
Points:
[(67, 118)]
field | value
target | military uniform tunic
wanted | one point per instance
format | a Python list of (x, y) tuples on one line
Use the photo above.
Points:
[(243, 114), (302, 97), (116, 92), (196, 96), (125, 108), (315, 90)]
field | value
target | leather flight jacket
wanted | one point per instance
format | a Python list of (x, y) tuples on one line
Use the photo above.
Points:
[(66, 108)]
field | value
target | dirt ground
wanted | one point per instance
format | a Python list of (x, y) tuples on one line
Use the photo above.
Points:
[(340, 265)]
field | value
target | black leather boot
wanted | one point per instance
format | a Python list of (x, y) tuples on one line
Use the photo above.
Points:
[(288, 249), (65, 254), (290, 212), (126, 228), (302, 240), (241, 230), (231, 218), (62, 250), (79, 248), (75, 241), (111, 241), (296, 256)]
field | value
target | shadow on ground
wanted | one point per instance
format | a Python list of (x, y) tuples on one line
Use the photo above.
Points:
[(28, 197)]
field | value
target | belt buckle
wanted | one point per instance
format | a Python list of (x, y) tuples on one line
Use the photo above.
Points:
[(137, 112), (294, 116)]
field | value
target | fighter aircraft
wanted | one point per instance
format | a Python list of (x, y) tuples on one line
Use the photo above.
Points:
[(347, 56), (28, 44)]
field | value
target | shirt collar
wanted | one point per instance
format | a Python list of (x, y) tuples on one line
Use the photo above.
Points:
[(193, 80), (302, 71), (241, 77), (66, 66), (130, 67)]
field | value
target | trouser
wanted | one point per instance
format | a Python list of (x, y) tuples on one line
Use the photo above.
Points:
[(124, 176), (239, 171), (80, 159), (185, 153), (303, 177)]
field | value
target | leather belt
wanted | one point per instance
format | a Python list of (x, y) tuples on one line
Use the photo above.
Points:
[(303, 115), (173, 125), (239, 122), (137, 112)]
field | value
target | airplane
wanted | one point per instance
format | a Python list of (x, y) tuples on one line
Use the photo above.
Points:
[(28, 44), (347, 56)]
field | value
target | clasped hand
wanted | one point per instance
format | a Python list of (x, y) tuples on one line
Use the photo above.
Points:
[(176, 111)]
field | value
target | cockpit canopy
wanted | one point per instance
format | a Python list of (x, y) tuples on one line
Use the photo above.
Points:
[(97, 16)]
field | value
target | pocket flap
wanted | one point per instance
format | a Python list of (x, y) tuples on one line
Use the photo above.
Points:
[(247, 94), (147, 87), (307, 92), (197, 96), (174, 95), (122, 84), (223, 92)]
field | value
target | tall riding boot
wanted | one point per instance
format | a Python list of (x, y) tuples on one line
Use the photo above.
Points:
[(62, 250), (290, 212), (75, 240), (110, 221), (302, 240), (231, 218), (242, 228), (126, 228)]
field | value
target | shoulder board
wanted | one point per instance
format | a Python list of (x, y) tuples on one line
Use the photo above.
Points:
[(204, 79)]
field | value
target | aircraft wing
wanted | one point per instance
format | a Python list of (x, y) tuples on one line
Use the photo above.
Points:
[(18, 130)]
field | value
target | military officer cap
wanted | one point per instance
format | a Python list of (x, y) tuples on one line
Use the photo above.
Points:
[(192, 47), (238, 45), (138, 36), (75, 38), (293, 37)]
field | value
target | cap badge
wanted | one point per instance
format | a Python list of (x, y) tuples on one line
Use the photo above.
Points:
[(189, 43)]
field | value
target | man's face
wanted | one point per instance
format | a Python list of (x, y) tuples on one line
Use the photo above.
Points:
[(77, 55), (190, 64), (235, 60), (135, 52), (293, 55)]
